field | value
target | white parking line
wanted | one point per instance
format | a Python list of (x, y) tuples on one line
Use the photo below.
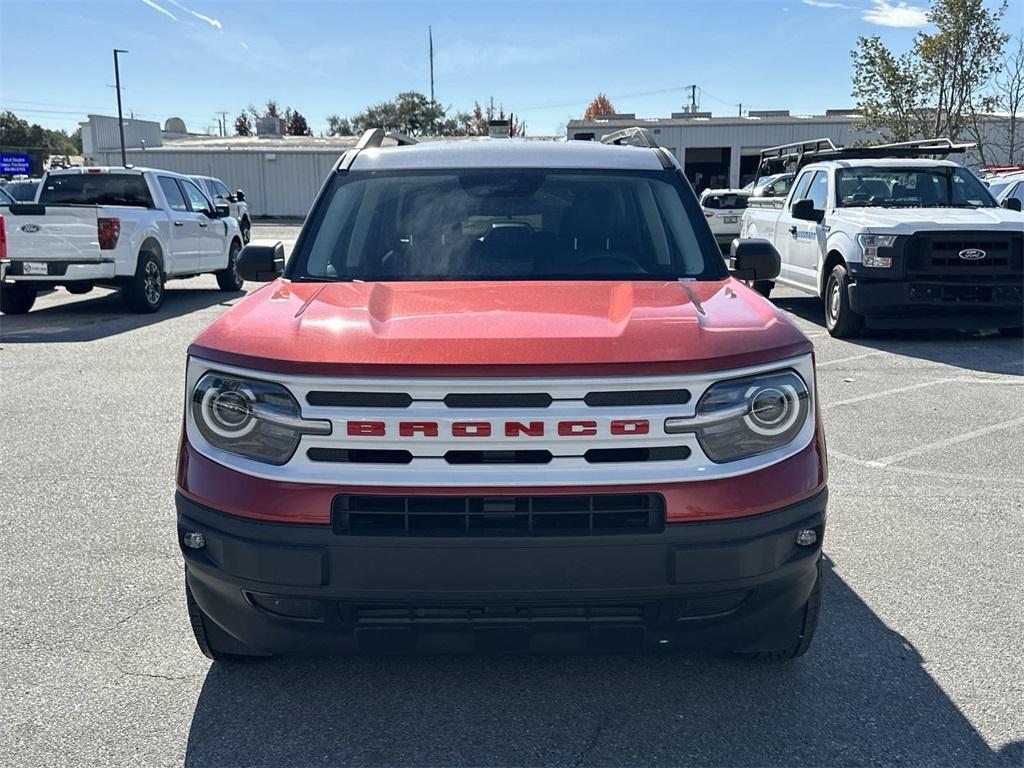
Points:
[(850, 359), (961, 438), (922, 385), (955, 476)]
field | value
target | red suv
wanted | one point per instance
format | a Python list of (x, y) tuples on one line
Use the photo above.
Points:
[(505, 395)]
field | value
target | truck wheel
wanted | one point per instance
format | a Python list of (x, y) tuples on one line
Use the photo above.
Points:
[(804, 630), (145, 291), (841, 321), (764, 287), (246, 227), (79, 288), (1013, 333), (209, 636), (228, 279), (16, 298)]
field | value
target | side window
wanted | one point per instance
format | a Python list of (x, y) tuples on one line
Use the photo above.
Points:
[(1018, 192), (196, 200), (801, 186), (172, 192), (818, 191), (220, 189)]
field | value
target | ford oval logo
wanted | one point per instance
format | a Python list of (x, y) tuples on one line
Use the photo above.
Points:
[(972, 254), (30, 228)]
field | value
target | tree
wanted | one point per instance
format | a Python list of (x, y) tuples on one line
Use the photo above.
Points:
[(296, 124), (931, 90), (996, 126), (338, 126), (599, 106), (243, 125), (18, 136), (476, 122)]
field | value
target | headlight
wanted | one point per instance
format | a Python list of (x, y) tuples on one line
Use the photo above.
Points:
[(255, 419), (740, 418), (870, 245)]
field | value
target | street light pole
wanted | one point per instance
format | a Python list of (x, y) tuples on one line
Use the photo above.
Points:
[(120, 114)]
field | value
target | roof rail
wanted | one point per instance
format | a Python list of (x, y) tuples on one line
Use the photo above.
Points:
[(634, 137), (793, 157), (371, 139)]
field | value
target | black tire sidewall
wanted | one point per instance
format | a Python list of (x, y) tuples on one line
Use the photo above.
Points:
[(17, 298), (228, 279), (846, 322), (136, 290)]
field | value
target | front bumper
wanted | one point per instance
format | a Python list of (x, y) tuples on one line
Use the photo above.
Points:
[(735, 584), (908, 303)]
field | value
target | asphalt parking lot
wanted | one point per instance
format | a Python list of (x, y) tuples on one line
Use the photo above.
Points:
[(918, 660)]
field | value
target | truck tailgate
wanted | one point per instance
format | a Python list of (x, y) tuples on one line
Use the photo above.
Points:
[(52, 233)]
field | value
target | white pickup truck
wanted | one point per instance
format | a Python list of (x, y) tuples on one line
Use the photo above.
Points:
[(891, 238), (128, 228)]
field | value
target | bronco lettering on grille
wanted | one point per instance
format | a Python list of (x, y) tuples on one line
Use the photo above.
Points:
[(618, 427)]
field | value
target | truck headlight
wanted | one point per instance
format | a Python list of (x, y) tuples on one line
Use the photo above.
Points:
[(870, 244), (740, 418), (255, 419)]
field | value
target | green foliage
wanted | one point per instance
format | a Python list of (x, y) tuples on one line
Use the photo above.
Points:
[(243, 125), (293, 123), (338, 126), (414, 114), (17, 135), (934, 88)]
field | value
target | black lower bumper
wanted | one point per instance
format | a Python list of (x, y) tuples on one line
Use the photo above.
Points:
[(911, 303), (736, 584)]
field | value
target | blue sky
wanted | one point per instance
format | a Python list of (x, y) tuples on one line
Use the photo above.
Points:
[(544, 61)]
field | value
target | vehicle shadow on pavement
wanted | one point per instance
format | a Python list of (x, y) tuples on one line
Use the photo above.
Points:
[(102, 317), (860, 696), (986, 351)]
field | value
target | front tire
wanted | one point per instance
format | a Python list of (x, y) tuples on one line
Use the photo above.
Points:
[(841, 321), (209, 637), (145, 291), (79, 288), (228, 279), (246, 227), (16, 298)]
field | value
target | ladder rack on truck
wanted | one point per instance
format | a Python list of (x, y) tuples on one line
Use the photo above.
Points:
[(793, 157)]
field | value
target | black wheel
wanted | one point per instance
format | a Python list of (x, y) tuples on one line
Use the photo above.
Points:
[(1013, 333), (212, 641), (228, 279), (16, 298), (764, 287), (246, 226), (841, 321), (804, 633), (145, 292), (79, 288)]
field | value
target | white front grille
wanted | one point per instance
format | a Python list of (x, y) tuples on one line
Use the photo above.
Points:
[(430, 457)]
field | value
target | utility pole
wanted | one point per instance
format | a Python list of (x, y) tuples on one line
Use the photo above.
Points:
[(693, 98), (120, 114), (430, 33), (740, 105), (223, 123)]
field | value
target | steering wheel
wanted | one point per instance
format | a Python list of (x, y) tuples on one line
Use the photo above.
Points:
[(612, 259)]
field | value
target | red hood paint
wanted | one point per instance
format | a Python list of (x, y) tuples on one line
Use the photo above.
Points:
[(511, 327)]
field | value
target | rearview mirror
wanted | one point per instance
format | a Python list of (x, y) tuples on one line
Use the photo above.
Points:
[(261, 263), (1012, 204), (754, 259), (804, 210)]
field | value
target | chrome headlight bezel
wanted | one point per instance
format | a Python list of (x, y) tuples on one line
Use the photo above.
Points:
[(869, 245)]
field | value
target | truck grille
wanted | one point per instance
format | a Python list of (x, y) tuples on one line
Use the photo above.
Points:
[(937, 256), (601, 514)]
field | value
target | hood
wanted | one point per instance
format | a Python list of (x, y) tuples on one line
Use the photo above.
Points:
[(911, 220), (476, 328)]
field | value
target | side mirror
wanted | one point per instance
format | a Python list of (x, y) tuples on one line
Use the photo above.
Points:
[(1012, 204), (754, 259), (804, 210), (232, 198), (239, 196), (261, 263), (221, 211)]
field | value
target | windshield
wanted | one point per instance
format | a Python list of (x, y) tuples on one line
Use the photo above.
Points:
[(22, 191), (506, 224), (96, 189), (937, 187), (5, 199)]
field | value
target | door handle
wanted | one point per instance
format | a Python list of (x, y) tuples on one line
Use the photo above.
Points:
[(179, 223), (204, 225), (792, 230)]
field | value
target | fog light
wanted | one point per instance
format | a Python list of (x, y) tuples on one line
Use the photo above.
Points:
[(806, 537), (193, 540)]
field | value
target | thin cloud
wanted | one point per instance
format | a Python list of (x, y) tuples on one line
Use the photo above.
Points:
[(160, 8), (900, 14), (820, 4), (243, 45), (202, 17)]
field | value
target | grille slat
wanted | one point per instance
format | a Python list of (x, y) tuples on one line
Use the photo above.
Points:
[(936, 256), (604, 514)]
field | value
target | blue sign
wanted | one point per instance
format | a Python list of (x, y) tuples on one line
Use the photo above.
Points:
[(15, 164)]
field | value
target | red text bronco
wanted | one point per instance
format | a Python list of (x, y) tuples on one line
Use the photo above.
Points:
[(505, 395)]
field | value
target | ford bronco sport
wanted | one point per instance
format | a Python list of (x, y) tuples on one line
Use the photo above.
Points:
[(505, 395)]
